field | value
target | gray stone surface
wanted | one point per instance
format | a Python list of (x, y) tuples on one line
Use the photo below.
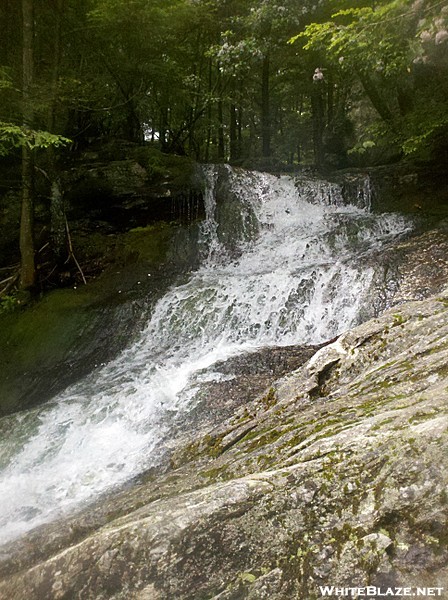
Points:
[(335, 475)]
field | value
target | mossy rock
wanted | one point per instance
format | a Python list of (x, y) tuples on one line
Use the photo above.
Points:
[(63, 336), (34, 341), (177, 170), (145, 244)]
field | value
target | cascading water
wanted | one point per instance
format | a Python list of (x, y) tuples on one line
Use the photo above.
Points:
[(276, 269)]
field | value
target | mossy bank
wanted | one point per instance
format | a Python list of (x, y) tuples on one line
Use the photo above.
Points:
[(69, 332)]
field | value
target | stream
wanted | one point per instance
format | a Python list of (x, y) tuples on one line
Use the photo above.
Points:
[(282, 262)]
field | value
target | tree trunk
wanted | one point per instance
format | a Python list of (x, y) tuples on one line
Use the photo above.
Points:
[(330, 100), (10, 31), (57, 206), (209, 112), (27, 268), (163, 129), (317, 105), (240, 131), (133, 129), (375, 98), (405, 96), (221, 142), (58, 219), (233, 133), (265, 110)]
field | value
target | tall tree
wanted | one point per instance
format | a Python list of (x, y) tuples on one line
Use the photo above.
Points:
[(57, 208), (28, 270)]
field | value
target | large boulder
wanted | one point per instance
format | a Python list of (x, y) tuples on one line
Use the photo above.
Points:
[(335, 476)]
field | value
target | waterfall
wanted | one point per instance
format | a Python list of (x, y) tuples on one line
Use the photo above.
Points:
[(209, 227), (282, 262)]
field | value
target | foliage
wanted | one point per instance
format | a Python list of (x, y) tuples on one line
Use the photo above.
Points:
[(399, 52), (362, 37), (14, 136), (8, 303), (210, 79), (362, 147)]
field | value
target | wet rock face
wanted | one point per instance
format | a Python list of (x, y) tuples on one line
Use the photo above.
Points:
[(228, 385), (422, 264), (413, 269), (335, 475)]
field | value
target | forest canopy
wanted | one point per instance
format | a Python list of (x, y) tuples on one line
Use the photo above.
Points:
[(325, 81)]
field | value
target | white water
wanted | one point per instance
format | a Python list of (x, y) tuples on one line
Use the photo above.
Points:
[(298, 272)]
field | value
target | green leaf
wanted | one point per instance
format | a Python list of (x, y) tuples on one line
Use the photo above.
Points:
[(15, 136)]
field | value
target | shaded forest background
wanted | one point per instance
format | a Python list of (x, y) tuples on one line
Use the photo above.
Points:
[(266, 84)]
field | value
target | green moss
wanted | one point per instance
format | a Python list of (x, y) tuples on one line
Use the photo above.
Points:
[(382, 367), (264, 439), (39, 337), (213, 445), (161, 167), (270, 399), (244, 417), (340, 536), (420, 416), (295, 440), (219, 473), (209, 445), (264, 461), (145, 244), (439, 347), (382, 423), (188, 453), (398, 320), (324, 424), (247, 577), (254, 433), (94, 246), (46, 329)]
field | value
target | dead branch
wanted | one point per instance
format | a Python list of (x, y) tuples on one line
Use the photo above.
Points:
[(7, 279), (71, 253), (43, 248), (10, 268), (10, 282)]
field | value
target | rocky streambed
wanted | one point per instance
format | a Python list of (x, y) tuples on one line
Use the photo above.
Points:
[(294, 467), (334, 475)]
